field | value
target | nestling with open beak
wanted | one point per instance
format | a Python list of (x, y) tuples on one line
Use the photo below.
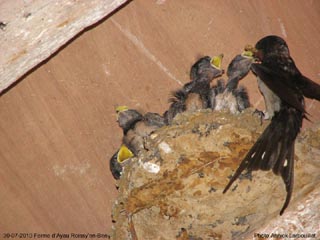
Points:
[(194, 95), (230, 96)]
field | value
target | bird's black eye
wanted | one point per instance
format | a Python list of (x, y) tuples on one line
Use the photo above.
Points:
[(259, 55)]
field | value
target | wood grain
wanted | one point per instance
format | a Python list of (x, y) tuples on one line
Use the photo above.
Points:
[(58, 127)]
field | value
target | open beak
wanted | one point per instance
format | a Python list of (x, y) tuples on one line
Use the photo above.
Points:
[(216, 61), (249, 51), (124, 154)]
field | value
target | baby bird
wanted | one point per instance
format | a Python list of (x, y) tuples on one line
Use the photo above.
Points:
[(194, 95), (136, 127), (127, 118), (230, 96), (118, 159)]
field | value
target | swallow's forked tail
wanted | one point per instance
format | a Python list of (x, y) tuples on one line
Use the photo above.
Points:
[(274, 149)]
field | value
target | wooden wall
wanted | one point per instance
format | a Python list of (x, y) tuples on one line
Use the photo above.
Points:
[(58, 127)]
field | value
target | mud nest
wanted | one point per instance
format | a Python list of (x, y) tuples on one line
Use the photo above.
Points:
[(173, 189)]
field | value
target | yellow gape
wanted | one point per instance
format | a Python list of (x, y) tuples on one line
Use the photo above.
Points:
[(247, 54), (121, 108), (124, 154), (249, 51), (216, 61)]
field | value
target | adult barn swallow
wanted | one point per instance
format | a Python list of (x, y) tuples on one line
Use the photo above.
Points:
[(230, 96), (283, 87), (194, 94)]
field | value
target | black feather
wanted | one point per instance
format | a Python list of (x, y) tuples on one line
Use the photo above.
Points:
[(285, 88), (278, 85), (274, 149), (115, 166), (310, 89)]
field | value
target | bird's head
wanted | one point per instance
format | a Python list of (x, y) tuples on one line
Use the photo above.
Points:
[(120, 109), (216, 61), (271, 46), (127, 117), (207, 67), (248, 51)]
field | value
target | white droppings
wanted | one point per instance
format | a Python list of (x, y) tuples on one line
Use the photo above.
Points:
[(153, 136), (150, 167), (165, 147), (300, 207)]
